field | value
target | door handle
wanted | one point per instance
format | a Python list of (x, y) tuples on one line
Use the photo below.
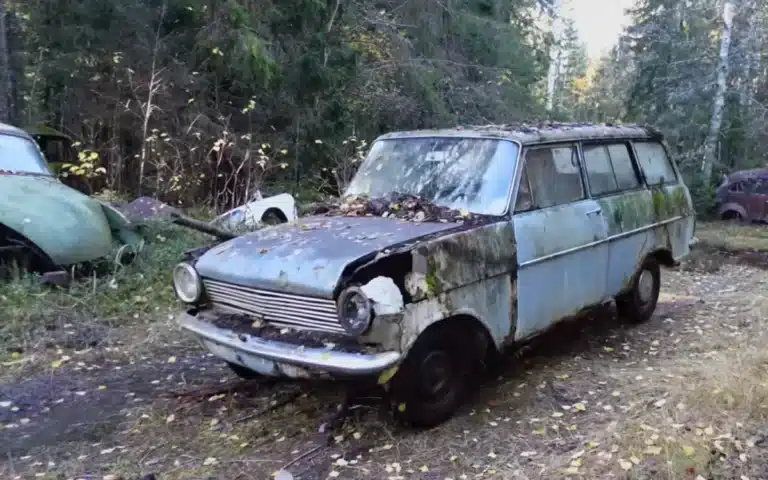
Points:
[(594, 212)]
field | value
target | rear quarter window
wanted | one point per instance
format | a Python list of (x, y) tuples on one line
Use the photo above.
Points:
[(654, 162)]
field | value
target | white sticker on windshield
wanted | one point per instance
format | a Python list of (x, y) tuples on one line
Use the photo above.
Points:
[(436, 156)]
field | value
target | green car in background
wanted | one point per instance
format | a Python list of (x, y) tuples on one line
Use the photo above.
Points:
[(48, 227)]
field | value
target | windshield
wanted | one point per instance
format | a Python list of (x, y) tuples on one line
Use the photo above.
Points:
[(21, 155), (460, 173)]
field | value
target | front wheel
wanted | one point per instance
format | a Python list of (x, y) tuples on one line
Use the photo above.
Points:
[(638, 304), (433, 381)]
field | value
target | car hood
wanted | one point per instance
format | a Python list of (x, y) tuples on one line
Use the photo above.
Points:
[(65, 224), (309, 256)]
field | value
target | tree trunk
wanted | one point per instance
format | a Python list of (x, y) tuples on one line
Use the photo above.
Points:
[(5, 68), (710, 144), (752, 49)]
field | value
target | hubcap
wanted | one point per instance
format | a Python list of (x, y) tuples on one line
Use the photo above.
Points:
[(645, 287), (436, 374)]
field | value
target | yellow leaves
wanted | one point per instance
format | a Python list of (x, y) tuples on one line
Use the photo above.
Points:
[(387, 375), (688, 450), (216, 51), (170, 418), (424, 469), (401, 408), (580, 407), (652, 450), (609, 349), (171, 359)]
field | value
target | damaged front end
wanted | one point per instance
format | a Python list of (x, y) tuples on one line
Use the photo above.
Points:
[(335, 296)]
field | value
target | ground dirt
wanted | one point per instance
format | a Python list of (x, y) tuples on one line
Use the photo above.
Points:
[(684, 396)]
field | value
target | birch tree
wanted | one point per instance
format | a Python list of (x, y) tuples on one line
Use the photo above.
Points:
[(5, 67), (718, 105)]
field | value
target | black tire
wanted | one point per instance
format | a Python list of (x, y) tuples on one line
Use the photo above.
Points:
[(638, 304), (433, 381), (244, 373)]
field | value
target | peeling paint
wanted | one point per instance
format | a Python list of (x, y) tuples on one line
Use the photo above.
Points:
[(385, 296)]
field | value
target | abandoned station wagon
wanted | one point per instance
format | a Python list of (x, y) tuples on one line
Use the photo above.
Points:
[(447, 246)]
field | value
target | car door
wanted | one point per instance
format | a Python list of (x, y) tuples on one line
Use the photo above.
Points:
[(557, 228), (614, 181), (759, 200)]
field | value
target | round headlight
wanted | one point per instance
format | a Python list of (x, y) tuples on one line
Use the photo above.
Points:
[(186, 283), (355, 312)]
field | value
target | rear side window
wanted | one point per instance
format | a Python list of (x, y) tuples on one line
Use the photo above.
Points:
[(609, 168), (554, 177), (653, 160)]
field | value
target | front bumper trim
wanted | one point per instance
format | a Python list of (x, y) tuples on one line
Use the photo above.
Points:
[(248, 350)]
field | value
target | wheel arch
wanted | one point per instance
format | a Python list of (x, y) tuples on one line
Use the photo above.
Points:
[(663, 256), (275, 211), (42, 260), (464, 324), (731, 207)]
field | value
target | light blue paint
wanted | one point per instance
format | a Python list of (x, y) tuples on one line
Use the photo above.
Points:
[(557, 277)]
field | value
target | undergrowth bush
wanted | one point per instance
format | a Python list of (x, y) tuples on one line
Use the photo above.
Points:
[(132, 293)]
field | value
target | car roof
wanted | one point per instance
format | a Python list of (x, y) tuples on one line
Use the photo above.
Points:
[(538, 133), (747, 174), (11, 130)]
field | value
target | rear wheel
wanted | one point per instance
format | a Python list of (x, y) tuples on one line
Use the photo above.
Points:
[(432, 382), (638, 304)]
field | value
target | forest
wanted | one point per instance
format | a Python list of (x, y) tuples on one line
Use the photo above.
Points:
[(202, 102)]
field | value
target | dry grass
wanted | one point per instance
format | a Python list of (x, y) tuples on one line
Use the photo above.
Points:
[(681, 396), (733, 236)]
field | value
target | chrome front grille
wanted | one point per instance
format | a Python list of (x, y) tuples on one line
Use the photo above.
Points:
[(280, 309)]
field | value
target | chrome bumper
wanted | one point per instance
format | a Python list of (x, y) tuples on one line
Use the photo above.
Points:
[(273, 358)]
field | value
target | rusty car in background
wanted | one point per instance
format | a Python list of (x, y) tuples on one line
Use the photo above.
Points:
[(46, 226), (447, 246), (743, 196)]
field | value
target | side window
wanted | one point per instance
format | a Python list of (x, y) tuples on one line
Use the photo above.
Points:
[(524, 197), (626, 176), (656, 166), (737, 187), (597, 162), (761, 187), (553, 176), (609, 168)]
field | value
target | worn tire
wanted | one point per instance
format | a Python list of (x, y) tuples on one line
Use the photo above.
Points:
[(638, 304), (244, 373), (439, 361)]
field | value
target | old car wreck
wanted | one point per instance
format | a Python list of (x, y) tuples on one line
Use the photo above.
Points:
[(447, 246), (47, 227)]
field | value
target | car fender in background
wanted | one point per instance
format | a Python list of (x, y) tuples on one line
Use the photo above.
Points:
[(251, 214)]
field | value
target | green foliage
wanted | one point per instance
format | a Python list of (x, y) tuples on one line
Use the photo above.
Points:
[(136, 292), (258, 71)]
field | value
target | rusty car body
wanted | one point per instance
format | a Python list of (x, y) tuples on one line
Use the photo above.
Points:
[(448, 246), (743, 196), (46, 226)]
